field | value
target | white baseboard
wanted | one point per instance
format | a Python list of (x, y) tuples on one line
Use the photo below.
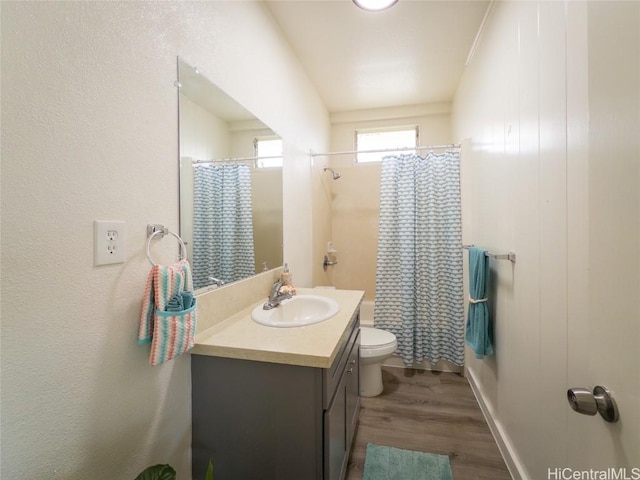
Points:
[(505, 446)]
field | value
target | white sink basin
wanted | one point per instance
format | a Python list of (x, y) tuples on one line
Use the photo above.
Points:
[(297, 311)]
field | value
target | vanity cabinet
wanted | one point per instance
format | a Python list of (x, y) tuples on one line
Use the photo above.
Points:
[(273, 421), (341, 415)]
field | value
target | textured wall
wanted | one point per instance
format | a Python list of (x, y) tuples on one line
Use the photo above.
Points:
[(89, 131)]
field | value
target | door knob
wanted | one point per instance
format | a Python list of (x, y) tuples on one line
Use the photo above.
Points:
[(589, 403)]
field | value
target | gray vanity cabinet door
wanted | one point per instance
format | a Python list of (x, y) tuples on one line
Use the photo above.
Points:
[(335, 428), (341, 416), (352, 386), (268, 421), (256, 420)]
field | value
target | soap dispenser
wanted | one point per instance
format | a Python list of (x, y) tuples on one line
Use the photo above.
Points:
[(285, 276)]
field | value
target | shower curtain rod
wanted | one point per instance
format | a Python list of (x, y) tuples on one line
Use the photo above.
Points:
[(390, 150), (234, 160)]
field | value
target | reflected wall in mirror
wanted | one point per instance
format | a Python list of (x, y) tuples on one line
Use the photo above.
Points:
[(230, 184)]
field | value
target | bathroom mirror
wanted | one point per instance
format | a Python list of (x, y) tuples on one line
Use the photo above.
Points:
[(230, 189)]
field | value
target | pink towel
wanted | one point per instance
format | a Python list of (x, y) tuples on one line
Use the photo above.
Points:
[(170, 333)]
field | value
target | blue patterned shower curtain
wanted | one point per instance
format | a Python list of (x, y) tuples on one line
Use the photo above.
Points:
[(419, 292), (222, 224)]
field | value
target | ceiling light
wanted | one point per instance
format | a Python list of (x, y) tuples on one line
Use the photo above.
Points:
[(374, 5)]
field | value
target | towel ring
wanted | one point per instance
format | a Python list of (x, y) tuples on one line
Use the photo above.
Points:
[(163, 231)]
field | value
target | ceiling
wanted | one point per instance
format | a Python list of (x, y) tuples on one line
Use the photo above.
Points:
[(413, 53)]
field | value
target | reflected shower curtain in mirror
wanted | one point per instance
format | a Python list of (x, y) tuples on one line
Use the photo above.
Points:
[(222, 224), (419, 291)]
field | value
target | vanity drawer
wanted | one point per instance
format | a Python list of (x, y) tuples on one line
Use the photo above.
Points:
[(333, 374)]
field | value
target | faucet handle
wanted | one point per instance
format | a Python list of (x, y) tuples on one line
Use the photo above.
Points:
[(275, 288)]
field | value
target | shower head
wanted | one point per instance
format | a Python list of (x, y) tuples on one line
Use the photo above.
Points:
[(333, 173)]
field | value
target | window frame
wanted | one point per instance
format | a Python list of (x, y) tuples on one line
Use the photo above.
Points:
[(266, 138), (385, 129)]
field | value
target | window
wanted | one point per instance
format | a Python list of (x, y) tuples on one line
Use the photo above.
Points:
[(268, 151), (385, 139)]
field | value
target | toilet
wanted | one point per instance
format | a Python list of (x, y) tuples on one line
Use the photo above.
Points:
[(376, 346)]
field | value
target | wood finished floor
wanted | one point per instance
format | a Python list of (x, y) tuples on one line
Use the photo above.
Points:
[(428, 412)]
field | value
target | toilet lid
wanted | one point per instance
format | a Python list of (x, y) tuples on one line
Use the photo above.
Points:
[(375, 337)]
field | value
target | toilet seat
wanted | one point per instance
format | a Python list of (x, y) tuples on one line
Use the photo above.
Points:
[(375, 337), (374, 342)]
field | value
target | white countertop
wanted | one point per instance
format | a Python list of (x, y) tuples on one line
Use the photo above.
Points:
[(311, 346)]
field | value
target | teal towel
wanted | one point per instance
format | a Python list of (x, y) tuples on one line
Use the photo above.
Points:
[(175, 304), (180, 301), (187, 299), (479, 335)]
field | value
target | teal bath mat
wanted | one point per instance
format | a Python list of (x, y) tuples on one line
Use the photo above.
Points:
[(388, 463)]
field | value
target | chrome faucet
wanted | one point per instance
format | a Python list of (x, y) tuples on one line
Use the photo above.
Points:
[(275, 297), (216, 281)]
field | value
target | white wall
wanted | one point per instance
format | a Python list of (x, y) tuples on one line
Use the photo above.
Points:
[(202, 135), (89, 131), (551, 113)]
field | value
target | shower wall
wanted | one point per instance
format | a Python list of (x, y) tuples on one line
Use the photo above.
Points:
[(355, 197)]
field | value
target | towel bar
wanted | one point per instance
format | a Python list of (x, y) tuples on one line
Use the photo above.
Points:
[(511, 256), (155, 229)]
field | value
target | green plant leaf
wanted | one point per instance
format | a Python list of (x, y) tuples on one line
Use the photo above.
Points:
[(209, 475), (157, 472)]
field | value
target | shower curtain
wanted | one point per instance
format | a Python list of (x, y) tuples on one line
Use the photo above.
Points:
[(222, 224), (419, 292)]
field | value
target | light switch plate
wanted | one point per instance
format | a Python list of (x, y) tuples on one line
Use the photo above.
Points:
[(109, 242)]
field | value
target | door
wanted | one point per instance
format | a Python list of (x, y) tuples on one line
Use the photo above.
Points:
[(603, 78)]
